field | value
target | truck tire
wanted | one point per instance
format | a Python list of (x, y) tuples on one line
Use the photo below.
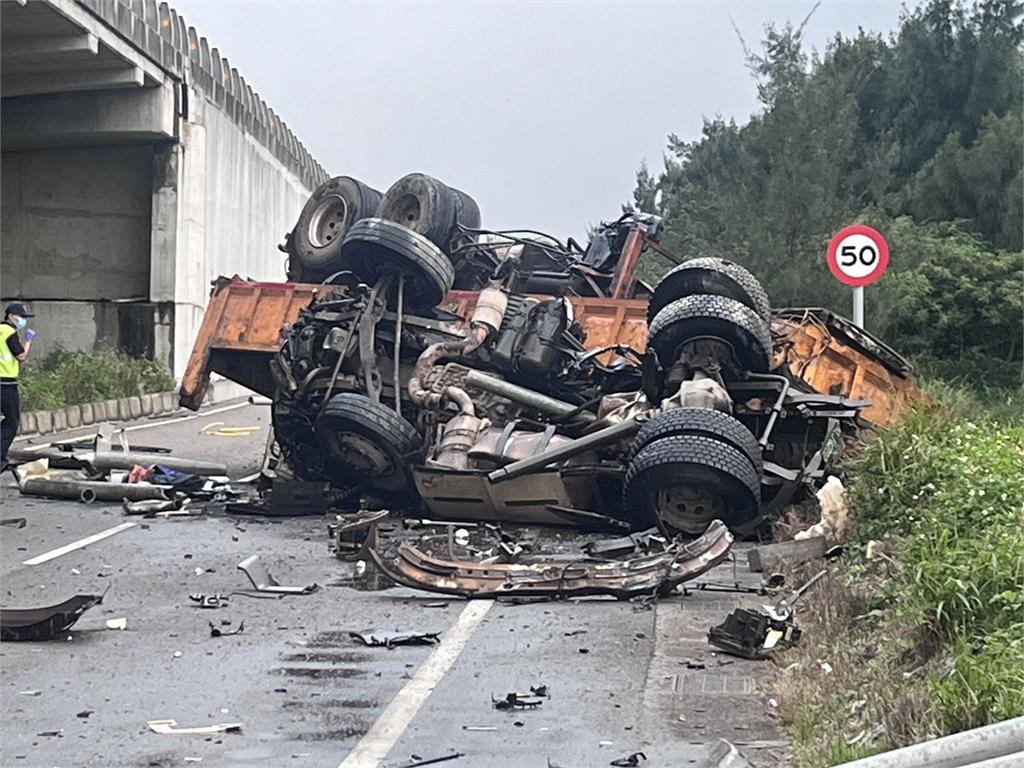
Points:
[(422, 204), (367, 443), (467, 212), (700, 421), (376, 246), (326, 217), (715, 316), (714, 276), (683, 482)]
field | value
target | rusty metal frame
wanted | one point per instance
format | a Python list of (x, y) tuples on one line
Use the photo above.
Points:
[(658, 573)]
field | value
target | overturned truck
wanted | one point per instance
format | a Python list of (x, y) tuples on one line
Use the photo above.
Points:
[(497, 375)]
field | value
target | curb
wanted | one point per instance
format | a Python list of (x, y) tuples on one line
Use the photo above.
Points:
[(122, 409)]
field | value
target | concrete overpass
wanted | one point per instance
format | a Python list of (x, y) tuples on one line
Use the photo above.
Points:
[(137, 165)]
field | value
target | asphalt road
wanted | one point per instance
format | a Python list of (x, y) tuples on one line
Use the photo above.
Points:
[(622, 678)]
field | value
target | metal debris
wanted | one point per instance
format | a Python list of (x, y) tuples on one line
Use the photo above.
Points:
[(388, 638), (44, 623), (216, 631), (516, 700), (630, 761), (417, 761), (209, 601), (657, 573), (262, 581), (171, 726)]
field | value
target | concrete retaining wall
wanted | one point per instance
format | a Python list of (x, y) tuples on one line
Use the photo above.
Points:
[(88, 326), (76, 222)]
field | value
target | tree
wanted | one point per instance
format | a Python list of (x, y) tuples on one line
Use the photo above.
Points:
[(920, 133)]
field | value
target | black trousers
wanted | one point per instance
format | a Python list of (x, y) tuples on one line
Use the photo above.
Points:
[(10, 406)]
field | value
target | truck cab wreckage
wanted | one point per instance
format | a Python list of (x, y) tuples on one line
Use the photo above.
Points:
[(424, 365)]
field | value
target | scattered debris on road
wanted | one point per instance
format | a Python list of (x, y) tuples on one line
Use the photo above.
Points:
[(630, 761), (658, 573), (216, 631), (209, 601), (756, 634), (171, 726), (516, 700), (121, 623), (44, 623), (416, 761), (262, 581), (390, 638), (14, 522)]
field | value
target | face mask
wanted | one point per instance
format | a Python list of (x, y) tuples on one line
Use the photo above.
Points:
[(22, 322)]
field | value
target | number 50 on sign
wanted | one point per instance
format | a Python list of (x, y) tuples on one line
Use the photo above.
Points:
[(858, 255)]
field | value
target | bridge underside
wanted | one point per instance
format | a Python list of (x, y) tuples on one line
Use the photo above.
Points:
[(124, 190)]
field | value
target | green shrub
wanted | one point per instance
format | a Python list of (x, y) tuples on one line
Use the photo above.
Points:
[(69, 378), (942, 496)]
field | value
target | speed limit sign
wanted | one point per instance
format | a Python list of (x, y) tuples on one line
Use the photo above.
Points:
[(858, 255)]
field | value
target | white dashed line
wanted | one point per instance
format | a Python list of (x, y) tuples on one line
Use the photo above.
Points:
[(53, 553), (389, 727)]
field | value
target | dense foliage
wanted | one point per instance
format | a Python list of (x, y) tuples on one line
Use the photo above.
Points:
[(69, 378), (923, 628), (919, 134)]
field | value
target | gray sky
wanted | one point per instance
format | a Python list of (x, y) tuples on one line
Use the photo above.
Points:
[(541, 111)]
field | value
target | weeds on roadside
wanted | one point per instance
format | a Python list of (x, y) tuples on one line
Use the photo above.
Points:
[(69, 378), (927, 637)]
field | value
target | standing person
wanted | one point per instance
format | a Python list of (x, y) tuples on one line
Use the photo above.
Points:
[(12, 354)]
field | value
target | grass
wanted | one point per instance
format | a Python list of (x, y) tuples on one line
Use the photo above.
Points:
[(922, 624), (69, 378)]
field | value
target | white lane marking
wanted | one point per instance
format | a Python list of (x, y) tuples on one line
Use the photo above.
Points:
[(389, 727), (46, 556), (150, 425)]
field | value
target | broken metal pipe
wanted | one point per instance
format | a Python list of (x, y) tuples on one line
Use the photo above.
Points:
[(601, 437), (486, 319), (525, 396), (92, 490), (107, 460)]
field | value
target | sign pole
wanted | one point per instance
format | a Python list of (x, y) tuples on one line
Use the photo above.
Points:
[(858, 255)]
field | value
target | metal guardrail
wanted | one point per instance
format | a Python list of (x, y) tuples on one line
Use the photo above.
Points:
[(994, 745)]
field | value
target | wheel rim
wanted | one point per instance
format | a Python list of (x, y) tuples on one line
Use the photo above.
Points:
[(689, 508), (327, 223), (406, 210), (364, 457)]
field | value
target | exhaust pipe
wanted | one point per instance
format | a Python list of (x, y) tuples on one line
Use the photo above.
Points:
[(88, 491)]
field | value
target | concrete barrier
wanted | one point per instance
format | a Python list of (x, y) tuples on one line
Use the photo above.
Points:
[(123, 409)]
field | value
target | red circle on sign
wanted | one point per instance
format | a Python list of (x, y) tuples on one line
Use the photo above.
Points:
[(858, 255)]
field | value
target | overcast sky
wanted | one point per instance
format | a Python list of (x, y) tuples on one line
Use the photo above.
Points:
[(541, 111)]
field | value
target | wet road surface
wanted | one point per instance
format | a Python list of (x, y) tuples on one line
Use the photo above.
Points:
[(622, 678)]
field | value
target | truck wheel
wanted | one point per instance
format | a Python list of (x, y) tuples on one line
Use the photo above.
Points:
[(367, 443), (330, 211), (423, 204), (714, 276), (684, 482), (467, 212), (376, 246), (700, 421), (706, 315)]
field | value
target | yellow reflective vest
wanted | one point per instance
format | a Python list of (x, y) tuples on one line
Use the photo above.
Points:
[(9, 365)]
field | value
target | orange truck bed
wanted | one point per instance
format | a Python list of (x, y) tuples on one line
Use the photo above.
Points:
[(242, 326)]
